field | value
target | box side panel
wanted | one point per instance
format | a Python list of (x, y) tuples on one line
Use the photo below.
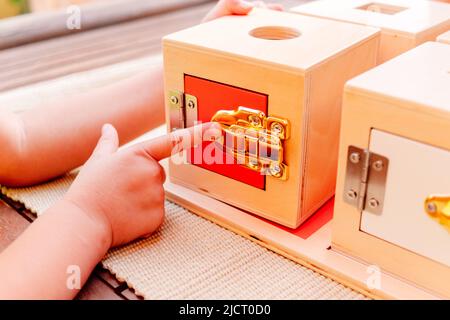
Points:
[(391, 45), (324, 112)]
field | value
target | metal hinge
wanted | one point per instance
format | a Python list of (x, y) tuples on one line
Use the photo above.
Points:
[(182, 110), (365, 179)]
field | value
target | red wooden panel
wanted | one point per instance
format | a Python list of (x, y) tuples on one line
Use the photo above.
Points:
[(320, 218), (212, 97)]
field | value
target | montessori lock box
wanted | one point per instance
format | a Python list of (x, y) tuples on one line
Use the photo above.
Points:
[(404, 24), (271, 79), (392, 205)]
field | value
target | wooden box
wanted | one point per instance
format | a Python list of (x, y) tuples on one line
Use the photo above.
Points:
[(393, 191), (444, 38), (279, 66), (404, 23)]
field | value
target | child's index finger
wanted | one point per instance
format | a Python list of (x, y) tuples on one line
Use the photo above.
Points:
[(177, 141)]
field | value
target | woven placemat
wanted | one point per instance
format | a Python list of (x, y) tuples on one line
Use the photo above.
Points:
[(192, 258)]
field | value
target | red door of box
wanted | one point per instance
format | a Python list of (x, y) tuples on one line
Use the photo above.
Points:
[(212, 97)]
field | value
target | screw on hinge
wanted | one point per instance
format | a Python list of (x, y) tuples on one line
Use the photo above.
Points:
[(373, 203), (191, 104), (355, 157), (352, 194), (173, 99), (378, 165)]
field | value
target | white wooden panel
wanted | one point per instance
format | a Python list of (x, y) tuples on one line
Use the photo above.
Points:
[(415, 171)]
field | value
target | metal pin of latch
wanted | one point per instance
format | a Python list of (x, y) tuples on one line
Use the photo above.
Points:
[(438, 208), (254, 140)]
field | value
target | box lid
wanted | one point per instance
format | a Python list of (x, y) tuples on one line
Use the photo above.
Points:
[(420, 76), (312, 40), (409, 17)]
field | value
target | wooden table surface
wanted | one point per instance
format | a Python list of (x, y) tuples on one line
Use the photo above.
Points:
[(27, 60)]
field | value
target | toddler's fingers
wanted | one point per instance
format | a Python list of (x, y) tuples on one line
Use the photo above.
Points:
[(240, 7), (177, 141), (229, 7), (108, 142)]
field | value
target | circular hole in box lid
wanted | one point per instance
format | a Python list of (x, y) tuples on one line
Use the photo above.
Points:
[(275, 33)]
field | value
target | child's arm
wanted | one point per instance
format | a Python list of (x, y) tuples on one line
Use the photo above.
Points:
[(52, 139), (49, 140), (118, 196)]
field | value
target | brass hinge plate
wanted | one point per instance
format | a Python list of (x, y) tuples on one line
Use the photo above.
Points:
[(182, 110), (176, 110), (365, 179)]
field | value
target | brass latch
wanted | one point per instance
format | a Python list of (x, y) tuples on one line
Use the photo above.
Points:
[(255, 140), (438, 208)]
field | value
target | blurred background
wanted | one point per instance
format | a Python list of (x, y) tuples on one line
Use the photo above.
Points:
[(40, 41), (9, 8)]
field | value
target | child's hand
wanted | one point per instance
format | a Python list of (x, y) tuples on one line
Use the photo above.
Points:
[(238, 7), (117, 197), (123, 190)]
